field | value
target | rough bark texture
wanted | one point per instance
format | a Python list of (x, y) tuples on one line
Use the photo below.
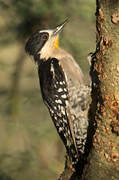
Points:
[(104, 157), (103, 136)]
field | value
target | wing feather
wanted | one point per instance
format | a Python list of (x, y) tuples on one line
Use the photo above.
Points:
[(66, 97), (77, 110)]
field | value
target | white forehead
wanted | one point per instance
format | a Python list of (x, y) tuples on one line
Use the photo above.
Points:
[(49, 31)]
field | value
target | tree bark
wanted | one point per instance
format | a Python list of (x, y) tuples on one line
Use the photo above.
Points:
[(104, 157), (103, 135)]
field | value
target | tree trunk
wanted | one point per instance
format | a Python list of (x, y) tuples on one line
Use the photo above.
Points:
[(104, 157), (103, 136)]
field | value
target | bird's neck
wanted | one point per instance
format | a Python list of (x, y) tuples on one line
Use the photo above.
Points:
[(56, 43), (54, 52)]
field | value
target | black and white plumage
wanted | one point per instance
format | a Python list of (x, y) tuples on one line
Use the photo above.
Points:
[(63, 90)]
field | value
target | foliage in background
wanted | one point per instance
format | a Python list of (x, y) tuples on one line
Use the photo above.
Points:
[(30, 148)]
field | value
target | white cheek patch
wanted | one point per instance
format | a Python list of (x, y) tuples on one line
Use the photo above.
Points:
[(47, 50)]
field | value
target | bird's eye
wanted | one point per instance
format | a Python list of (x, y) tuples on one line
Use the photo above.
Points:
[(45, 37)]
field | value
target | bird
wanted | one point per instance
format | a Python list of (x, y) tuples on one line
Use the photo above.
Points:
[(63, 89)]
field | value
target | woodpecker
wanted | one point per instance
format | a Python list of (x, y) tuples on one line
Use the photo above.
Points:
[(63, 89)]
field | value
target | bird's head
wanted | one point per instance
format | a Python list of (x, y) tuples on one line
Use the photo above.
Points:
[(44, 41)]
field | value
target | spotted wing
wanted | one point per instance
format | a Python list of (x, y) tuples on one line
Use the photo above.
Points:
[(79, 106), (55, 95), (79, 96)]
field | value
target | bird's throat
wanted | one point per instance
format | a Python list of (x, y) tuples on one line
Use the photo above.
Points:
[(56, 43)]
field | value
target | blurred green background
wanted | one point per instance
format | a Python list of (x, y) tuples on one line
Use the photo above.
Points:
[(30, 148)]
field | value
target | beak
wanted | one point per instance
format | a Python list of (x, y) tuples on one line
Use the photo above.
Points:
[(59, 28)]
